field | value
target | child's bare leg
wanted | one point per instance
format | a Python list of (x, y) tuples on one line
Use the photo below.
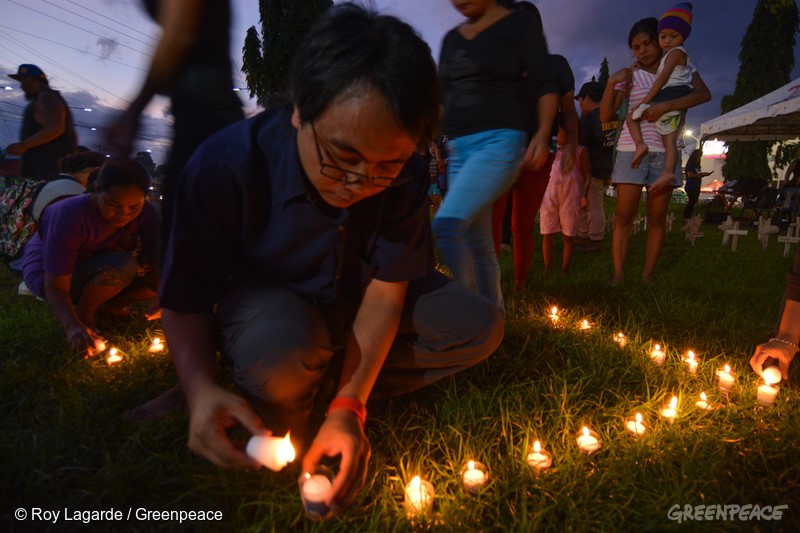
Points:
[(547, 250), (667, 177), (636, 134), (566, 261)]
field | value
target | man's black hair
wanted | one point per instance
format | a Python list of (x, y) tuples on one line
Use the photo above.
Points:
[(352, 49)]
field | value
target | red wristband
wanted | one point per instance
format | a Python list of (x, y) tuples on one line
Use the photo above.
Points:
[(351, 404)]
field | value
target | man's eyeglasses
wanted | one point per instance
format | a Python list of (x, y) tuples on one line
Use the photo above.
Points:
[(348, 177)]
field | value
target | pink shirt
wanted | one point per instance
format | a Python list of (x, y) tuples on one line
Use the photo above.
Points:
[(642, 81)]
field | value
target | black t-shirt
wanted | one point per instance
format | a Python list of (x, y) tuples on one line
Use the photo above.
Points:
[(565, 81), (482, 78), (598, 138)]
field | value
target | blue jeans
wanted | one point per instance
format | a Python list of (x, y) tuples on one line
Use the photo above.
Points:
[(481, 167)]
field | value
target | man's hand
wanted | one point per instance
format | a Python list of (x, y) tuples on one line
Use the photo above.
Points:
[(773, 349), (341, 434), (212, 411)]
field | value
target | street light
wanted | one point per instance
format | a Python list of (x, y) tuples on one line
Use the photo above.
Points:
[(688, 133)]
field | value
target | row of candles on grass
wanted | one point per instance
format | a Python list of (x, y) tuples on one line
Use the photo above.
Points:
[(276, 452), (114, 356), (766, 392)]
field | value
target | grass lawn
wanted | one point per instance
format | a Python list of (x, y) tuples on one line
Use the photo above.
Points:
[(65, 446)]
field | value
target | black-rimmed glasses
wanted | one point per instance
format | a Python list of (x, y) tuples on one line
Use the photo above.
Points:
[(348, 177)]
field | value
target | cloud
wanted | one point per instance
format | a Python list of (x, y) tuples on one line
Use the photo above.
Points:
[(108, 47)]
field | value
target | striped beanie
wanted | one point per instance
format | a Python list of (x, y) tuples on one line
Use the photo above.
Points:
[(678, 18)]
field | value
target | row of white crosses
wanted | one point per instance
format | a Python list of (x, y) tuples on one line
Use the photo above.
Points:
[(764, 228)]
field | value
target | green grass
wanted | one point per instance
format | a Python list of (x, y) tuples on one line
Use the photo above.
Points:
[(64, 443)]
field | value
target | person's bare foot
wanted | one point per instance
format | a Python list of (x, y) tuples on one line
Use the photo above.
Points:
[(165, 403), (617, 281), (638, 154)]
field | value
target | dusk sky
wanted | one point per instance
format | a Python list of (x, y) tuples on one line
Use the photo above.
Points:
[(97, 51)]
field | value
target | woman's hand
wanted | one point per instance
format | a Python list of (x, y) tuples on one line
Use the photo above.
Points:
[(773, 349), (623, 75), (341, 434)]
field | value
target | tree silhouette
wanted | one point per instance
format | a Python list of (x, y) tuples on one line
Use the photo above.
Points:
[(765, 63), (267, 56)]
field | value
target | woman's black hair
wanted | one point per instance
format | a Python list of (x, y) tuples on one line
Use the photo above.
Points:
[(694, 157), (77, 161), (122, 171), (648, 25), (351, 49)]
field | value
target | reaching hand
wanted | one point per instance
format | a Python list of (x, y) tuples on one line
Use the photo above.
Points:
[(212, 411), (773, 349), (341, 434), (536, 155)]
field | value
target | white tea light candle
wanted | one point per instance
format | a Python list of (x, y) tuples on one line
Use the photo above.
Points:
[(418, 496), (156, 346), (703, 403), (766, 394), (657, 355), (474, 476), (113, 357), (539, 458), (272, 452), (726, 378), (554, 314), (671, 411), (588, 440), (621, 339), (691, 362), (771, 375), (314, 490), (635, 426)]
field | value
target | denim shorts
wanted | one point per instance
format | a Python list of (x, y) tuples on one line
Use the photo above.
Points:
[(648, 171)]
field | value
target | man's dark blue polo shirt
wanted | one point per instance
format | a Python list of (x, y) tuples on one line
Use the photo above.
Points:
[(244, 208)]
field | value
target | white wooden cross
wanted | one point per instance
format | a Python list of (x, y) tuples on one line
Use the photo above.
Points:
[(735, 233), (693, 229), (728, 224), (765, 229), (791, 237)]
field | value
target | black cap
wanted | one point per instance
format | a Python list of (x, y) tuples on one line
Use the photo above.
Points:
[(592, 89)]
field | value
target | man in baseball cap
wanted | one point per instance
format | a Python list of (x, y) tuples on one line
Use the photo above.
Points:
[(47, 133), (27, 69)]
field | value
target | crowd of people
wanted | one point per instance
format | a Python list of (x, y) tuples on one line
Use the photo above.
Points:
[(299, 244)]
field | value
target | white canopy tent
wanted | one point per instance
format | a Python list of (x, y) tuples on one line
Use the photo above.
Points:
[(773, 117)]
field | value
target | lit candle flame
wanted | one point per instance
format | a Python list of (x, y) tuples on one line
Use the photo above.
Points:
[(638, 418), (703, 396), (537, 447), (286, 451), (554, 310), (657, 348), (727, 368), (113, 356), (415, 483), (673, 403), (471, 465), (585, 431), (585, 324), (691, 355)]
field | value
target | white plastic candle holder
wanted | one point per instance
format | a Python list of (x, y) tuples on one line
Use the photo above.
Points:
[(588, 441), (419, 496), (315, 487)]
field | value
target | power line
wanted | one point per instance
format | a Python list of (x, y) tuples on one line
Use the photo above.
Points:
[(112, 20), (73, 48), (62, 68), (98, 23), (76, 26)]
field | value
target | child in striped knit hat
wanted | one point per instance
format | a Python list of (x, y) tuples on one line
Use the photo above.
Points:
[(674, 77)]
